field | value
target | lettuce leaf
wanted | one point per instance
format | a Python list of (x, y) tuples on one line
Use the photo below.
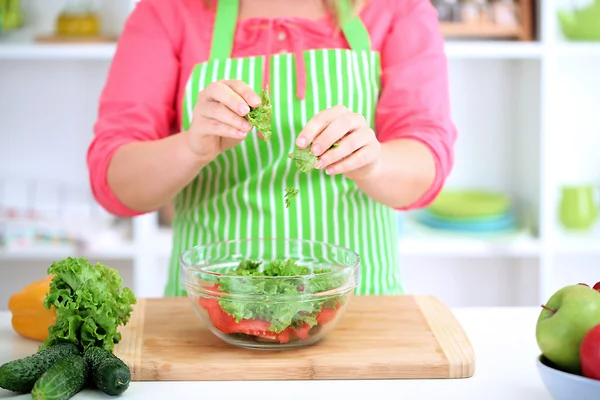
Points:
[(305, 161), (266, 306), (90, 304)]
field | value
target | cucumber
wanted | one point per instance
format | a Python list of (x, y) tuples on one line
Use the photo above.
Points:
[(107, 372), (20, 375), (63, 380)]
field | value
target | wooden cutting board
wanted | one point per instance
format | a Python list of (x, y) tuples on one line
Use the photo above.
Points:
[(379, 337)]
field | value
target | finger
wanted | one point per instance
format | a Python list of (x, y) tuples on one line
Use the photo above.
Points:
[(222, 93), (209, 126), (228, 143), (245, 91), (318, 123), (346, 147), (363, 156), (219, 112), (335, 131)]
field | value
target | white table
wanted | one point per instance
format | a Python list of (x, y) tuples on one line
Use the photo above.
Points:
[(503, 339)]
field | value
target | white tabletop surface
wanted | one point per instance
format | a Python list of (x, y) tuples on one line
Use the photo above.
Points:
[(505, 350)]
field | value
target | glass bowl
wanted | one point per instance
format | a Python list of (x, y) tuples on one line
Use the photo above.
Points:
[(270, 293)]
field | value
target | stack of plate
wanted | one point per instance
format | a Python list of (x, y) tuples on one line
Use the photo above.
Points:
[(470, 211)]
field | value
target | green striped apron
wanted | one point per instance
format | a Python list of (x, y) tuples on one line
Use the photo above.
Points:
[(241, 193)]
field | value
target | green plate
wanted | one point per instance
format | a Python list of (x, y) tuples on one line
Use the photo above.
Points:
[(470, 204)]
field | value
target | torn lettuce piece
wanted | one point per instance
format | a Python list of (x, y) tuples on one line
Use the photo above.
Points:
[(290, 194), (304, 159), (260, 117)]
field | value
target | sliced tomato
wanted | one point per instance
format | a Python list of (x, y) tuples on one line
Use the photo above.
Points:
[(254, 327), (220, 319), (326, 315), (259, 328), (208, 304), (227, 324), (302, 331), (284, 336)]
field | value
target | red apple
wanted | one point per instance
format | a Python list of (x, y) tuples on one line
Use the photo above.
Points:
[(589, 353), (585, 284), (597, 286)]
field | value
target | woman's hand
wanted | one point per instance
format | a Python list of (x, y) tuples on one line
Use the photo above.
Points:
[(357, 153), (218, 122)]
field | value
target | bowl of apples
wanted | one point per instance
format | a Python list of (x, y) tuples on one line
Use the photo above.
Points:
[(568, 335)]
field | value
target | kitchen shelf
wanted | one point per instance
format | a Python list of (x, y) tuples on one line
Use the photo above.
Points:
[(489, 31), (521, 245), (55, 253), (34, 51), (418, 240), (578, 49), (567, 242), (105, 51), (21, 45), (493, 50)]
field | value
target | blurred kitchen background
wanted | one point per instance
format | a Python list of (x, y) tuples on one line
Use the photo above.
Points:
[(519, 216)]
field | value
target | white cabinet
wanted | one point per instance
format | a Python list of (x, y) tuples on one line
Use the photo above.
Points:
[(528, 120)]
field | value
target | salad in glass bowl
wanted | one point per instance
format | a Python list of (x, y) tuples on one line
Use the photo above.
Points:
[(270, 293)]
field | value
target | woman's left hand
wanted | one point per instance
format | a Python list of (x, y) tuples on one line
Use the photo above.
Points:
[(358, 152)]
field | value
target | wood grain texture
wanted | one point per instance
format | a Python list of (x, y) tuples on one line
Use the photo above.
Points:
[(379, 337), (57, 39)]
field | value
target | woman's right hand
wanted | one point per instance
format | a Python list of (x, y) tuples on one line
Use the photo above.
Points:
[(218, 122)]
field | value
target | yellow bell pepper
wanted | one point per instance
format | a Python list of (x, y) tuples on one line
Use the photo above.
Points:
[(30, 318)]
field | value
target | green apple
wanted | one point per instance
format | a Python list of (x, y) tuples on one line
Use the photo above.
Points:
[(565, 319)]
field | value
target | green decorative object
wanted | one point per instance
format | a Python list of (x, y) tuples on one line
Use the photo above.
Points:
[(470, 204), (11, 15), (578, 207), (581, 24)]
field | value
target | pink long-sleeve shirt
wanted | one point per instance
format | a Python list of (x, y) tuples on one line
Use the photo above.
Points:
[(163, 39)]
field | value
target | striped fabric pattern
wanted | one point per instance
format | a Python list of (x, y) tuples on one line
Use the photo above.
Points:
[(241, 193)]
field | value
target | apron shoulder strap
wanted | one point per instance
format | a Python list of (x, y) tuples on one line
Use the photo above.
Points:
[(353, 28), (226, 19), (224, 29)]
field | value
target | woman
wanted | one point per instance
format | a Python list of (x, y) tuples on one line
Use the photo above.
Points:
[(370, 77)]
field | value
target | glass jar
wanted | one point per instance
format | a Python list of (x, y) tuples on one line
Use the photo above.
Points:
[(470, 12), (448, 10), (485, 15), (78, 18), (505, 12)]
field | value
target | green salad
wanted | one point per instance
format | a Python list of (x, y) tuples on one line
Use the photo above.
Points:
[(263, 312)]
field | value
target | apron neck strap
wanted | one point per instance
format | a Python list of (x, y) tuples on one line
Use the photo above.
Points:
[(224, 29), (226, 19), (353, 28)]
